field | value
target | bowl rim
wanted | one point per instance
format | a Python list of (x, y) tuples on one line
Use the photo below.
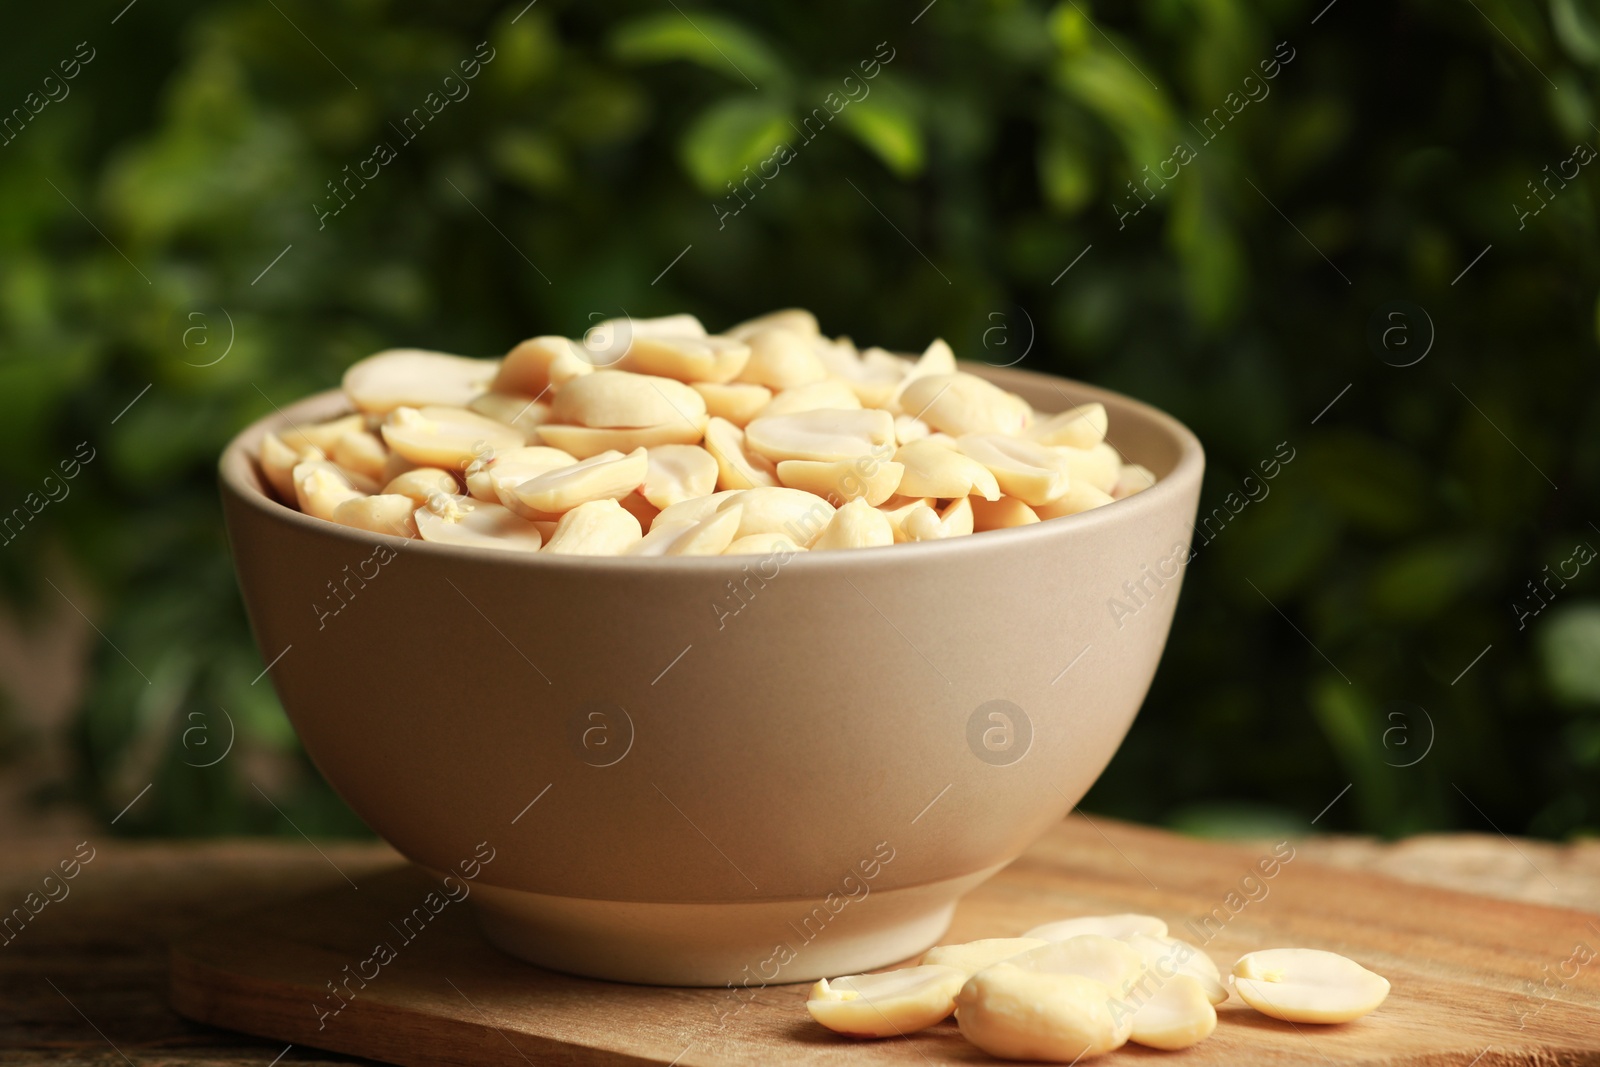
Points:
[(238, 477)]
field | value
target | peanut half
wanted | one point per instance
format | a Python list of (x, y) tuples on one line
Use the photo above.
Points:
[(1307, 985), (884, 1005)]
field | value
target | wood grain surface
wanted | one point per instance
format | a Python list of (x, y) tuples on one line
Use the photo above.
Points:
[(1476, 980), (88, 976)]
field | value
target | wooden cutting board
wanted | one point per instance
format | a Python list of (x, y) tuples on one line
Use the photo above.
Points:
[(1475, 981)]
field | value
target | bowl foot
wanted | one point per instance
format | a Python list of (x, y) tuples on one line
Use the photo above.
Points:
[(737, 945)]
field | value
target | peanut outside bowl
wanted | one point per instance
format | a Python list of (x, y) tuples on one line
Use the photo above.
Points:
[(699, 771)]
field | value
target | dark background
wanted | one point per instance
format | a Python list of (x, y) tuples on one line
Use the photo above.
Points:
[(1324, 628)]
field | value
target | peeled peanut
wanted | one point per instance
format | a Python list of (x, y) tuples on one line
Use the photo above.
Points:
[(795, 320), (616, 399), (957, 518), (710, 536), (1034, 474), (962, 403), (738, 402), (823, 435), (362, 452), (1079, 497), (1099, 466), (636, 505), (585, 441), (1023, 1015), (819, 396), (1079, 427), (973, 956), (460, 520), (320, 487), (1132, 479), (446, 437), (278, 462), (385, 513), (935, 470), (923, 525), (908, 429), (897, 509), (421, 484), (661, 537), (1108, 961), (874, 376), (492, 480), (884, 1005), (410, 377), (1307, 985), (937, 358), (1175, 1014), (862, 478), (686, 358), (677, 473), (763, 544), (516, 411), (781, 359), (607, 475), (321, 435), (595, 528), (682, 324), (1166, 956), (796, 514), (1000, 514), (855, 525), (525, 370), (738, 467), (691, 511), (1118, 926)]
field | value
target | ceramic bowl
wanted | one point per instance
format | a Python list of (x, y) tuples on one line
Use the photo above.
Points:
[(709, 771)]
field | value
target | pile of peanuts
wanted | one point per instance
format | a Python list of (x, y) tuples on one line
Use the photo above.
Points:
[(1080, 987), (651, 437)]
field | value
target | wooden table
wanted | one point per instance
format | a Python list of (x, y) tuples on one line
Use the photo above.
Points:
[(84, 982)]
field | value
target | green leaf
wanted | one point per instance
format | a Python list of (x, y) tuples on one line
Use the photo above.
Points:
[(1576, 30), (719, 44), (886, 126), (732, 134), (1569, 647), (1065, 174)]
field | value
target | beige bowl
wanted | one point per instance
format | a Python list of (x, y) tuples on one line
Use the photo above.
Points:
[(708, 771)]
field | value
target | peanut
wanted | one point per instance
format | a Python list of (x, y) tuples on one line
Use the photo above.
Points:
[(962, 403), (677, 473), (460, 520), (845, 479), (885, 1005), (595, 528), (824, 435), (607, 475), (738, 467), (855, 525), (1307, 985), (737, 402), (446, 437), (409, 377)]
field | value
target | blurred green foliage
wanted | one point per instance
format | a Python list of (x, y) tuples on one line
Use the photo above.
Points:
[(139, 215)]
